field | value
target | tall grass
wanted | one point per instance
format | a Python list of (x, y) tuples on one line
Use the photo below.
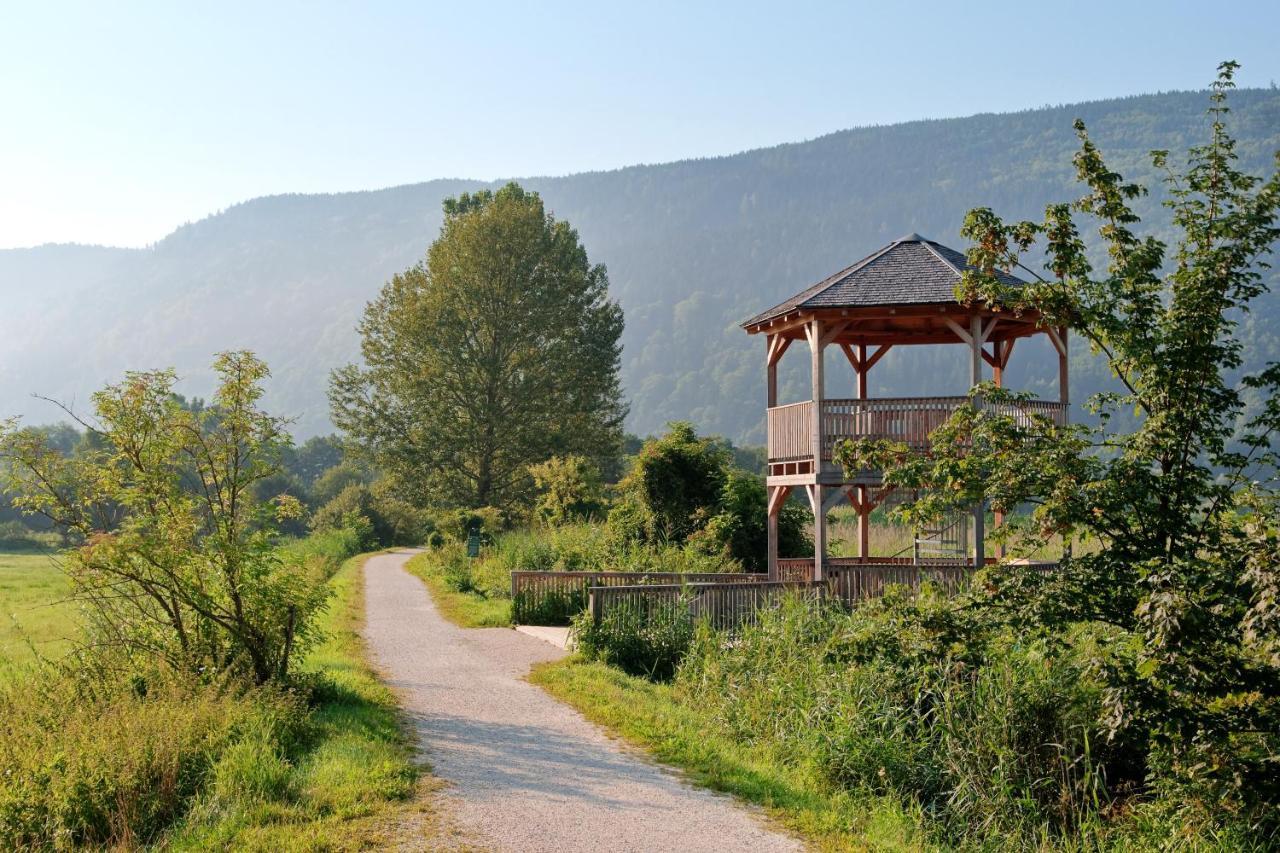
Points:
[(95, 756)]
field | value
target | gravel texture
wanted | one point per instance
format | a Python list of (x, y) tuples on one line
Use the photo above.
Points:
[(525, 772)]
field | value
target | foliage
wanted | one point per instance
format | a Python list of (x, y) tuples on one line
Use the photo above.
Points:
[(179, 560), (161, 757), (458, 524), (337, 478), (499, 351), (569, 489), (740, 528), (385, 519), (1183, 506), (673, 487), (639, 636), (682, 488)]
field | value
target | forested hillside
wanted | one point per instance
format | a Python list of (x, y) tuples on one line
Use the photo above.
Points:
[(692, 248)]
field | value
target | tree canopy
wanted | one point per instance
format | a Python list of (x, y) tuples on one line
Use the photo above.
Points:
[(497, 352)]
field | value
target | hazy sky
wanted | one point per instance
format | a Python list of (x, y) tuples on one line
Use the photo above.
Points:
[(123, 120)]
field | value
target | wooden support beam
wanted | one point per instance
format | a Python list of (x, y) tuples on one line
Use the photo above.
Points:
[(829, 335), (817, 501), (980, 510), (777, 345), (1064, 379), (877, 355), (1059, 340), (986, 332), (862, 371), (777, 496), (960, 331)]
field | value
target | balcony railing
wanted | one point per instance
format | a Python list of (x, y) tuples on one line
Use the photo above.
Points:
[(905, 419)]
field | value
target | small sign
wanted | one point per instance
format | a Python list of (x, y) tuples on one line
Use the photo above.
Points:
[(473, 544)]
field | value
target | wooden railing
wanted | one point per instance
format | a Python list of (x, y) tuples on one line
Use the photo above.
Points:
[(791, 432), (552, 598), (905, 419), (729, 606), (724, 606)]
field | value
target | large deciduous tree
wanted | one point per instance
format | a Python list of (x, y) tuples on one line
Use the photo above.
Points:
[(499, 351), (1181, 511)]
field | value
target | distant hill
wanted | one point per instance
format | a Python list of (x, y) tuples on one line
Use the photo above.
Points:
[(692, 249)]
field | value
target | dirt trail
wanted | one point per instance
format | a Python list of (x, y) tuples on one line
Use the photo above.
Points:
[(525, 772)]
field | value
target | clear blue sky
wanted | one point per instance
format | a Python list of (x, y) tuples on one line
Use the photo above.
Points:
[(123, 120)]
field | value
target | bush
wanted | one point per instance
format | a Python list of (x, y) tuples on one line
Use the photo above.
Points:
[(641, 636), (673, 488), (740, 529), (569, 489), (385, 519)]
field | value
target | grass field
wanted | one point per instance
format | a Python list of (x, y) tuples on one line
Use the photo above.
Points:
[(35, 618)]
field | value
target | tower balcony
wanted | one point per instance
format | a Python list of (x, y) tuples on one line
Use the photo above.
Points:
[(906, 419)]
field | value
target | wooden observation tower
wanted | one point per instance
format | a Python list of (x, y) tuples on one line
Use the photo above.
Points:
[(901, 295)]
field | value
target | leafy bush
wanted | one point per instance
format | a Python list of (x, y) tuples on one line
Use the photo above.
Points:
[(740, 528), (641, 637), (569, 489), (389, 520), (673, 487), (684, 489)]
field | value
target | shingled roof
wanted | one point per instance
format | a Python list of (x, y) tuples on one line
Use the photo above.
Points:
[(910, 271)]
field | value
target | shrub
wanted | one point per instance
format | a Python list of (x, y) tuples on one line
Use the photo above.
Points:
[(187, 569), (569, 489), (673, 487), (740, 528), (640, 636)]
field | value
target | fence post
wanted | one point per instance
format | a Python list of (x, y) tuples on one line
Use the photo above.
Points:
[(594, 604)]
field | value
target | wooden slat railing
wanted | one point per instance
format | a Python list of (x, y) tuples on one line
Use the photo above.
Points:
[(905, 419), (724, 606), (791, 432), (553, 598), (729, 606)]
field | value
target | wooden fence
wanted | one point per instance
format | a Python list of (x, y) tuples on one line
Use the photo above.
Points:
[(728, 606), (553, 598), (725, 606)]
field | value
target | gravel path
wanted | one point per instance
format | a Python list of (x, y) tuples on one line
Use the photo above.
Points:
[(525, 772)]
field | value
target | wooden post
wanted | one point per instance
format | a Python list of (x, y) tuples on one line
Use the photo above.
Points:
[(1064, 383), (814, 333), (864, 525), (862, 371), (771, 363), (979, 511), (773, 544), (997, 376), (819, 533), (1064, 395)]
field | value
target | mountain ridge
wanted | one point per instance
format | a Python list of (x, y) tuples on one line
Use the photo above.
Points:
[(693, 247)]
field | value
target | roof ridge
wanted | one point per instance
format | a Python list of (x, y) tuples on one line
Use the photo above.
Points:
[(928, 244), (813, 290)]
